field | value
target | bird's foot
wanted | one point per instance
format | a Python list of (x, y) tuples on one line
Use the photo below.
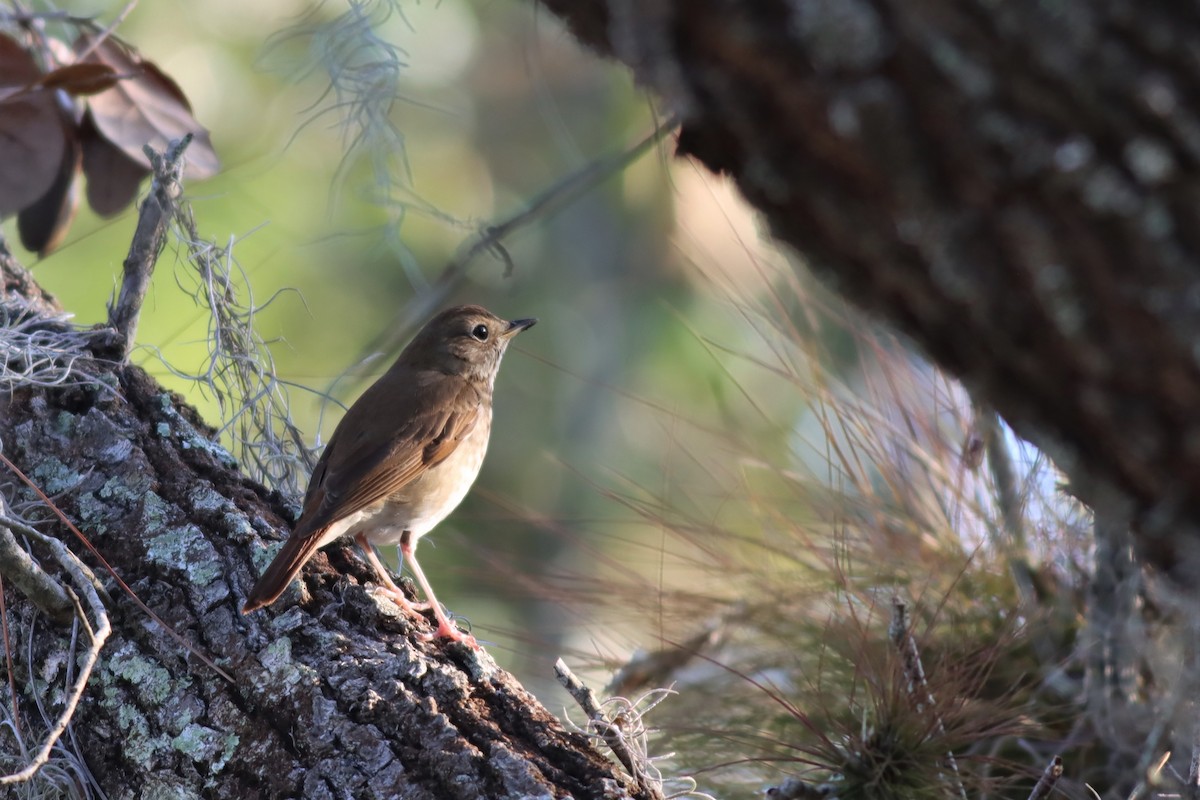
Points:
[(397, 596), (448, 630)]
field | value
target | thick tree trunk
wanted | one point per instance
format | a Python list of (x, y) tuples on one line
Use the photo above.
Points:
[(331, 696), (1015, 185)]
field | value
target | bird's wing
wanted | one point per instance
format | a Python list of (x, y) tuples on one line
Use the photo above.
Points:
[(392, 449), (404, 424)]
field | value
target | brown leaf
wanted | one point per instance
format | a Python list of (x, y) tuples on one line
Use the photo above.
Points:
[(112, 177), (17, 67), (43, 224), (81, 79), (32, 138), (148, 108)]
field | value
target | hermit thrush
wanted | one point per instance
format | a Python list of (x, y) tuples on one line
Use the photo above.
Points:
[(404, 455)]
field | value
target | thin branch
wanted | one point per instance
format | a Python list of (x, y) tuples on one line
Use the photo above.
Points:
[(1050, 776), (16, 564), (8, 659), (609, 730), (84, 582), (1152, 773), (918, 686), (58, 512), (148, 240), (490, 238)]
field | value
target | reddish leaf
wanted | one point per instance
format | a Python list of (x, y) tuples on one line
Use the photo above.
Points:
[(81, 79), (17, 67), (43, 224), (32, 145), (148, 108), (112, 177), (32, 140)]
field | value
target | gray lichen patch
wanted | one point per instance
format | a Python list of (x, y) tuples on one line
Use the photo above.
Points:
[(237, 526), (263, 556), (140, 746), (149, 704), (113, 500), (116, 451), (190, 438), (151, 679), (205, 498), (64, 424), (282, 670), (289, 620), (54, 477), (156, 512), (125, 487), (91, 511), (160, 789), (185, 549), (207, 746)]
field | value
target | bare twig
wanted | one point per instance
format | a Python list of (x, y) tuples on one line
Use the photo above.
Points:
[(16, 564), (8, 659), (148, 240), (646, 669), (1151, 775), (20, 289), (1050, 776), (609, 730), (1112, 651), (58, 512), (1014, 543), (84, 582), (918, 686), (107, 31), (490, 238)]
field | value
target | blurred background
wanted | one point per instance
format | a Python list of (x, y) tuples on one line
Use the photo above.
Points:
[(343, 221), (694, 441)]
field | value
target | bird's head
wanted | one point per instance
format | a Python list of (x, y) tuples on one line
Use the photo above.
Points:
[(464, 340)]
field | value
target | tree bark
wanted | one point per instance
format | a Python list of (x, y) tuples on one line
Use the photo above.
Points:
[(1014, 185), (331, 693)]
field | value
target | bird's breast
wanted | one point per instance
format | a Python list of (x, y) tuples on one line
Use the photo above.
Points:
[(420, 505)]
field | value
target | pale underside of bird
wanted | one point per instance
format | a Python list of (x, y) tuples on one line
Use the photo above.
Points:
[(404, 456)]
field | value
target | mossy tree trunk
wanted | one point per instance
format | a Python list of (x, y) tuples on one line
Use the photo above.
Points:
[(1014, 185), (332, 696)]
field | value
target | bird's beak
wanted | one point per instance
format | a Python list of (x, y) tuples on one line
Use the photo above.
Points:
[(518, 325)]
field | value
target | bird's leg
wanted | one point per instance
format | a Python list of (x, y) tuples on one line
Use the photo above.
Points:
[(446, 629), (386, 584)]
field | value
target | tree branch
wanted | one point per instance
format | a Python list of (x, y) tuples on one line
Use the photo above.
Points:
[(1011, 185), (148, 240)]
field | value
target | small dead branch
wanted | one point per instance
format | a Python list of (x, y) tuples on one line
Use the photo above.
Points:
[(918, 686), (95, 634), (611, 731), (1152, 775), (1050, 776), (65, 520), (490, 238), (644, 670), (27, 576), (148, 240)]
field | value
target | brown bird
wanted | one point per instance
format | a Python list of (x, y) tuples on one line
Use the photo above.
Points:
[(404, 456)]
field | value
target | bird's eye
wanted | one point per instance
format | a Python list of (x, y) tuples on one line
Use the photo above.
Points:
[(480, 332)]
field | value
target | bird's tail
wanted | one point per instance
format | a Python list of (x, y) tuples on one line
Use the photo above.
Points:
[(295, 553)]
